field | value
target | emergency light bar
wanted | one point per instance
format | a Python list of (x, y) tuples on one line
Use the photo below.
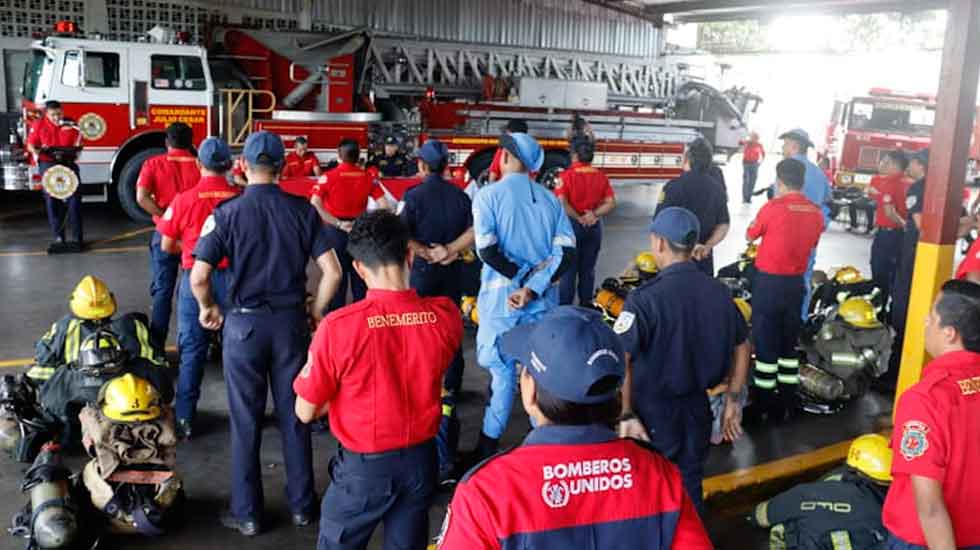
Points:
[(66, 27), (878, 92)]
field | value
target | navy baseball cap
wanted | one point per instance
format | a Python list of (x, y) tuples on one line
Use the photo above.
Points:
[(922, 156), (525, 148), (798, 134), (567, 351), (391, 140), (433, 152), (264, 148), (214, 154), (677, 225)]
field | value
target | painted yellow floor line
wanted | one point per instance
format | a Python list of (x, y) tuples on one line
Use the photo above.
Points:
[(106, 250), (126, 235), (23, 362)]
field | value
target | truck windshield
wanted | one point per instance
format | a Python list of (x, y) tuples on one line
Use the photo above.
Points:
[(37, 77), (892, 116)]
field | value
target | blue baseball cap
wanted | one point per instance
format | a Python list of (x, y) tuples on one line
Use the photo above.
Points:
[(433, 152), (567, 351), (214, 154), (264, 148), (922, 156), (677, 225), (799, 135), (525, 148)]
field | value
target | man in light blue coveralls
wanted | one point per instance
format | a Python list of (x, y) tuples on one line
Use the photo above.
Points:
[(526, 242), (815, 187)]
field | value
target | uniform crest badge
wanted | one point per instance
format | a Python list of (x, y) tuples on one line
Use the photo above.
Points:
[(555, 495), (915, 440), (624, 322), (911, 201), (92, 126), (208, 225)]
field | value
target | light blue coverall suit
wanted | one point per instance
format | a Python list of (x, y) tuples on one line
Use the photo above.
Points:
[(817, 189)]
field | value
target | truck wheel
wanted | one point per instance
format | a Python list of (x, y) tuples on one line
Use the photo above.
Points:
[(554, 163), (126, 187)]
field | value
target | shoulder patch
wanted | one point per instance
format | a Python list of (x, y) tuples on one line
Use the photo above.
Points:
[(915, 440), (911, 201), (624, 322), (208, 226)]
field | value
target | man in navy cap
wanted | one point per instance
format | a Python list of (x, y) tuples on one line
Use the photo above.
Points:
[(572, 483), (526, 243), (393, 163), (440, 222), (268, 237), (683, 334)]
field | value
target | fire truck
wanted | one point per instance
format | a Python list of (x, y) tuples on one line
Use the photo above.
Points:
[(360, 85)]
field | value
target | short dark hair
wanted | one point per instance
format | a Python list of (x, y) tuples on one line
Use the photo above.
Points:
[(791, 172), (681, 249), (52, 104), (438, 168), (898, 157), (378, 238), (516, 125), (349, 151), (564, 412), (700, 155), (583, 148), (180, 136), (300, 140), (959, 307)]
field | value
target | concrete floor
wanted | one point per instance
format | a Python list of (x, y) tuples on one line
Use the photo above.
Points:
[(35, 292)]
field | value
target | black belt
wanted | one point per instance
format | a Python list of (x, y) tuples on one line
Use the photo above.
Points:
[(264, 309), (890, 229), (404, 451)]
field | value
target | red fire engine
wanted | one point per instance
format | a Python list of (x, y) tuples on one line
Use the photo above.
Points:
[(363, 86)]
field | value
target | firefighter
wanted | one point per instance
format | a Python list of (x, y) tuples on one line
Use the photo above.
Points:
[(753, 153), (339, 196), (572, 483), (683, 335), (514, 125), (696, 190), (51, 131), (933, 500), (526, 243), (393, 163), (889, 219), (789, 226), (439, 218), (580, 129), (160, 179), (180, 226), (301, 162), (92, 307), (383, 405), (841, 511), (816, 188), (268, 237), (587, 197)]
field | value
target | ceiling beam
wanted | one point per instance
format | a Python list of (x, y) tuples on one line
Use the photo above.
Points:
[(708, 10), (621, 6)]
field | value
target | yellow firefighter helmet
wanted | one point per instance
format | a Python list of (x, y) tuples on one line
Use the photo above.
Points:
[(129, 398), (646, 264), (871, 455), (92, 300), (848, 275), (744, 308), (468, 307), (751, 251), (859, 312)]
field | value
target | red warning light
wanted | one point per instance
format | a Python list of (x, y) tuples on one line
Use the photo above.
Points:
[(66, 27)]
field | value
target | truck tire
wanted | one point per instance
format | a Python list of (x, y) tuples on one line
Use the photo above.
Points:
[(126, 187), (554, 163)]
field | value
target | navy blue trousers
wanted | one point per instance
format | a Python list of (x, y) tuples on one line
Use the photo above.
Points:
[(776, 324), (580, 277), (263, 351), (63, 213), (394, 488), (886, 253), (750, 173), (164, 269), (193, 341), (350, 277)]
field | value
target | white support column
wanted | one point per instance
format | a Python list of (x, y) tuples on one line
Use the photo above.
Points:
[(96, 17)]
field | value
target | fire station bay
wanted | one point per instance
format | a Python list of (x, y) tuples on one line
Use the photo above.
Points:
[(466, 275)]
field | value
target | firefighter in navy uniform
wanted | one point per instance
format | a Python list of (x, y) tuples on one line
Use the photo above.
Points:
[(840, 512), (440, 222), (376, 368), (572, 483), (684, 335), (393, 163), (268, 237)]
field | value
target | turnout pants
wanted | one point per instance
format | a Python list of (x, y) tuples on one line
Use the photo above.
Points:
[(750, 172), (350, 277), (776, 326), (581, 276), (164, 269), (394, 488), (265, 349), (193, 341), (886, 252)]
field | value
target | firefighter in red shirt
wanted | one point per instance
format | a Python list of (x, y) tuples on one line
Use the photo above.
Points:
[(514, 126), (340, 196), (52, 131), (160, 179), (300, 163), (375, 368), (790, 227), (180, 226), (753, 153), (573, 483), (888, 191), (586, 196), (933, 500)]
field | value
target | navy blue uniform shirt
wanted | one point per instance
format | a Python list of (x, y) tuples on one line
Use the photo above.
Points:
[(914, 197), (700, 193), (436, 211), (268, 237), (680, 330)]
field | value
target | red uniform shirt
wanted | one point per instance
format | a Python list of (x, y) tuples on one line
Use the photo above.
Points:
[(186, 214), (550, 494), (889, 190), (168, 174), (345, 191), (971, 262), (753, 152), (584, 186), (299, 167), (45, 133), (790, 227), (379, 364), (937, 424)]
